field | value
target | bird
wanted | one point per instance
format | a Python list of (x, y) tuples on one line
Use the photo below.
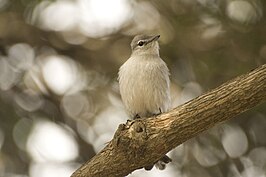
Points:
[(144, 83)]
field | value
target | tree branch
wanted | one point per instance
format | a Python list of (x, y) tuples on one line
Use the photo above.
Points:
[(141, 142)]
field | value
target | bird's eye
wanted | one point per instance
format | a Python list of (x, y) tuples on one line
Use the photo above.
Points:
[(140, 43)]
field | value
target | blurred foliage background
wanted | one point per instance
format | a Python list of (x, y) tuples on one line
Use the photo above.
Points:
[(59, 96)]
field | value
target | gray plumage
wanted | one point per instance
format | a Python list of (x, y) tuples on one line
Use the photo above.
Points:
[(144, 79), (144, 82)]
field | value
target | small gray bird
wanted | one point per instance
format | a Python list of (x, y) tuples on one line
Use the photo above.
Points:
[(144, 83)]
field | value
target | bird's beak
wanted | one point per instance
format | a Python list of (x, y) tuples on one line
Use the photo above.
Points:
[(153, 38)]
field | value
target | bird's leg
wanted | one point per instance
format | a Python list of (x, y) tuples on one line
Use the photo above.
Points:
[(160, 112), (136, 116)]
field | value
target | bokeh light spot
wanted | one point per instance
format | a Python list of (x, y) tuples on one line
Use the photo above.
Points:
[(21, 56), (64, 16), (234, 141), (243, 11), (51, 142), (101, 17), (8, 77), (51, 170), (78, 106), (58, 74)]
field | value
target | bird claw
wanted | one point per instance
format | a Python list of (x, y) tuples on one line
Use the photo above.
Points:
[(160, 164), (166, 159), (148, 168), (160, 112), (136, 116)]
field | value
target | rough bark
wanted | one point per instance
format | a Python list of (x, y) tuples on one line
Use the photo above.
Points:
[(141, 142)]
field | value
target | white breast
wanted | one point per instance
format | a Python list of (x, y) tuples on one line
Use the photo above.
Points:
[(144, 85)]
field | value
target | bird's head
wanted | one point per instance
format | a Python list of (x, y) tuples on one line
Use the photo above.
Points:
[(145, 45)]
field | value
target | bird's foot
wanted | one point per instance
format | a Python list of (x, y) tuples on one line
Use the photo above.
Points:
[(149, 167), (160, 164), (136, 116), (160, 112)]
